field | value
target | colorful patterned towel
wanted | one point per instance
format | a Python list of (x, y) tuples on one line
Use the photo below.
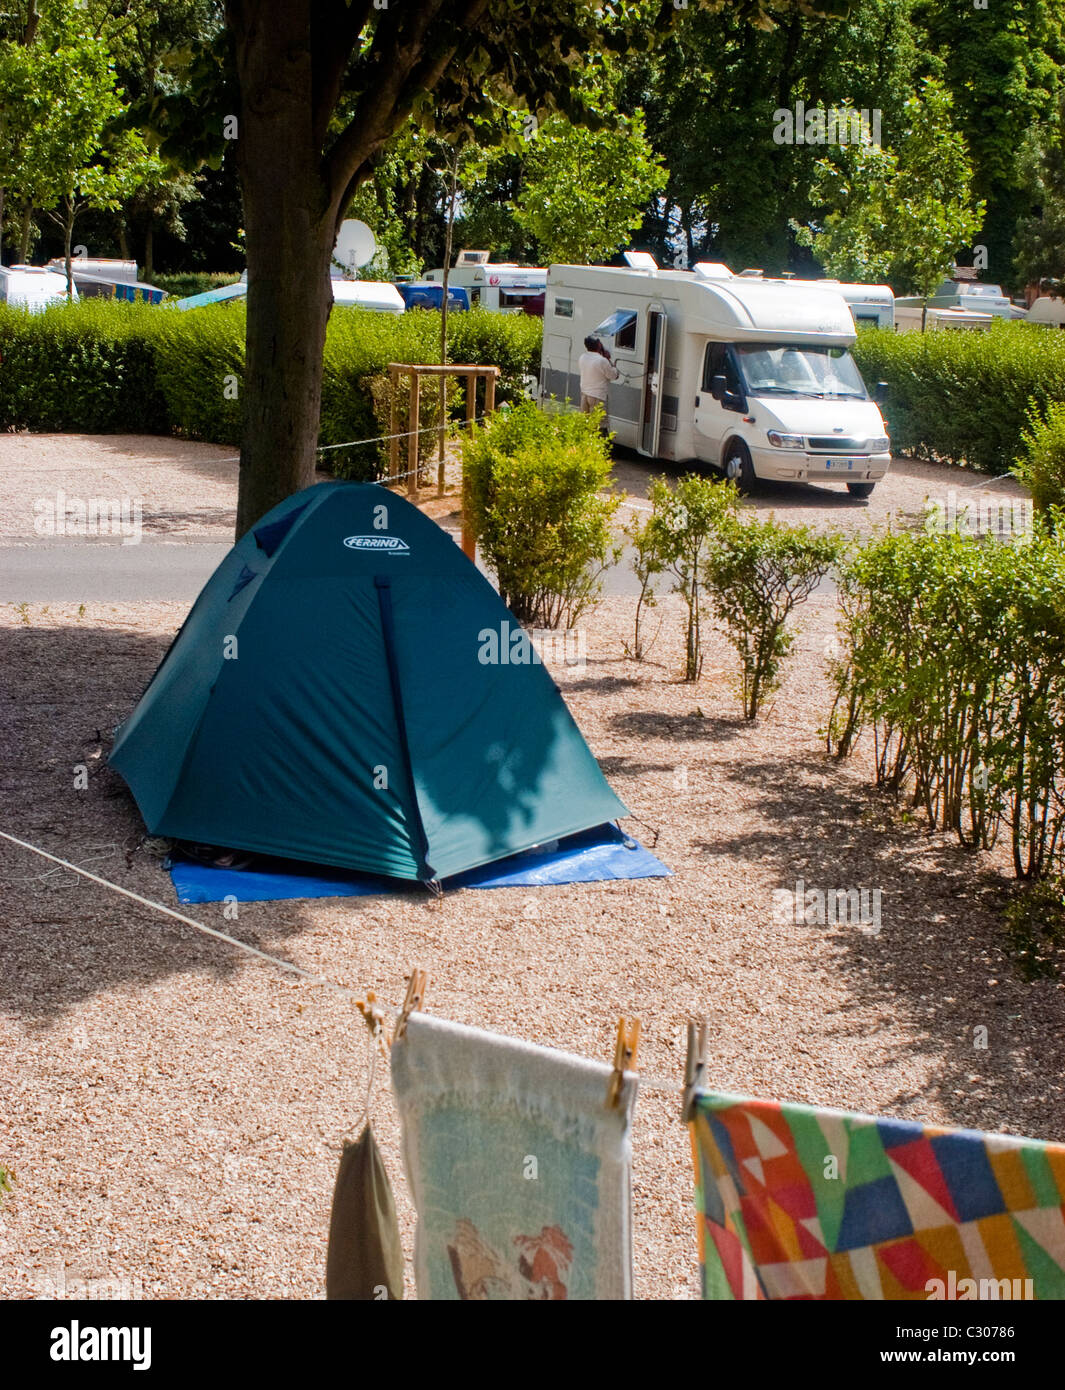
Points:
[(799, 1202), (519, 1172)]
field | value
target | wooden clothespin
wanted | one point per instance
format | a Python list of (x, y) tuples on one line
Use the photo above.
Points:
[(416, 983), (694, 1066), (374, 1019), (624, 1058)]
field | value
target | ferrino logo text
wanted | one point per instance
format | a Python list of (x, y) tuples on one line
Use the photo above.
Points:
[(390, 544)]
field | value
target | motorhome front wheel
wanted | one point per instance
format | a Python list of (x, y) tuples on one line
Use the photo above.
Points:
[(738, 466), (860, 489)]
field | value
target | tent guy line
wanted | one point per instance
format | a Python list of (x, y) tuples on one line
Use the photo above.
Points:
[(370, 1007)]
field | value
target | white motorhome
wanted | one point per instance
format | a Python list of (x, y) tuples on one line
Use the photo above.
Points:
[(911, 313), (1048, 310), (870, 305), (751, 376), (503, 288), (975, 295), (32, 287)]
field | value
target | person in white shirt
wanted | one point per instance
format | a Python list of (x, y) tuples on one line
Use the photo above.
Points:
[(597, 371)]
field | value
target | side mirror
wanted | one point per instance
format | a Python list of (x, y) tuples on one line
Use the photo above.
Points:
[(880, 392), (730, 400)]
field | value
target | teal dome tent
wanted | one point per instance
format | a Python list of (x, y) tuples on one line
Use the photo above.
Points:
[(348, 689)]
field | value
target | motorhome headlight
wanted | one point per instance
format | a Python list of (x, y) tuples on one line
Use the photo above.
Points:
[(881, 444), (785, 441)]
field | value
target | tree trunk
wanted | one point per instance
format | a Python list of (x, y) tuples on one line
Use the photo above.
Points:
[(290, 228), (68, 237), (149, 243), (25, 228), (123, 237), (448, 238)]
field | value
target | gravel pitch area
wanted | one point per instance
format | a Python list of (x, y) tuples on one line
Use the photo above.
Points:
[(173, 1111)]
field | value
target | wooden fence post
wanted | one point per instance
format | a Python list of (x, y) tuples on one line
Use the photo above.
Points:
[(393, 427), (412, 452)]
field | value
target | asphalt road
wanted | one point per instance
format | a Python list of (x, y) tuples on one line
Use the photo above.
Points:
[(93, 570)]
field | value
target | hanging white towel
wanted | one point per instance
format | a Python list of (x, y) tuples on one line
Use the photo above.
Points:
[(520, 1173)]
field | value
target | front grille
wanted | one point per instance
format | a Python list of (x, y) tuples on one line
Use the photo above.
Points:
[(837, 444)]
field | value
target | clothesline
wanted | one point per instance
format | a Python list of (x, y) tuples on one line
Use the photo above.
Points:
[(320, 449), (368, 1004)]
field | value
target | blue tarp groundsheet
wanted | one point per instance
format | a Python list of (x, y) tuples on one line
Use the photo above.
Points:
[(590, 856)]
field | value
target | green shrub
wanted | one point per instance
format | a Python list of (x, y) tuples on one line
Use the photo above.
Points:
[(1042, 466), (954, 657), (359, 345), (677, 537), (429, 418), (106, 367), (88, 367), (511, 342), (199, 358), (183, 284), (1035, 927), (961, 396), (532, 482), (758, 572)]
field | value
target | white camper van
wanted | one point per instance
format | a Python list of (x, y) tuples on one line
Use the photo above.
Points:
[(32, 287), (503, 288), (752, 376)]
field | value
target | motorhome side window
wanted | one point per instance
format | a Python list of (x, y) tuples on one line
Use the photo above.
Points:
[(563, 308), (718, 362), (621, 326)]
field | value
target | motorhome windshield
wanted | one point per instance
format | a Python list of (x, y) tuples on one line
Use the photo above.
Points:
[(785, 370)]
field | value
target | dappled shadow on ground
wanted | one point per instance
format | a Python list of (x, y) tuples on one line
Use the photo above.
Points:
[(170, 520), (938, 956), (650, 724), (63, 938), (210, 461)]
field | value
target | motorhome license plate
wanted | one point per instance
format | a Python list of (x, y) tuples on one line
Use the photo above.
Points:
[(842, 465)]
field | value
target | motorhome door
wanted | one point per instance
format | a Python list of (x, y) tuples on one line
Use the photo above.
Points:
[(651, 414)]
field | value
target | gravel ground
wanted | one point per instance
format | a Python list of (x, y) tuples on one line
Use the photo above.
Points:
[(188, 491), (173, 1111)]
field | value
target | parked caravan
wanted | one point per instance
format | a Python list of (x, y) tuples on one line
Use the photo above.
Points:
[(752, 376), (502, 288), (910, 315), (422, 294), (974, 295), (871, 306), (1047, 310), (32, 287), (367, 294), (103, 278)]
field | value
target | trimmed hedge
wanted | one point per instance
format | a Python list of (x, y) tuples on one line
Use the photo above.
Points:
[(961, 396), (102, 367), (88, 367)]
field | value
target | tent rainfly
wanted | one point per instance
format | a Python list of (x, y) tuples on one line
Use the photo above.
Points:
[(348, 689)]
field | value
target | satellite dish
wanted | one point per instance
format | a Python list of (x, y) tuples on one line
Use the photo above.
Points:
[(356, 245)]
